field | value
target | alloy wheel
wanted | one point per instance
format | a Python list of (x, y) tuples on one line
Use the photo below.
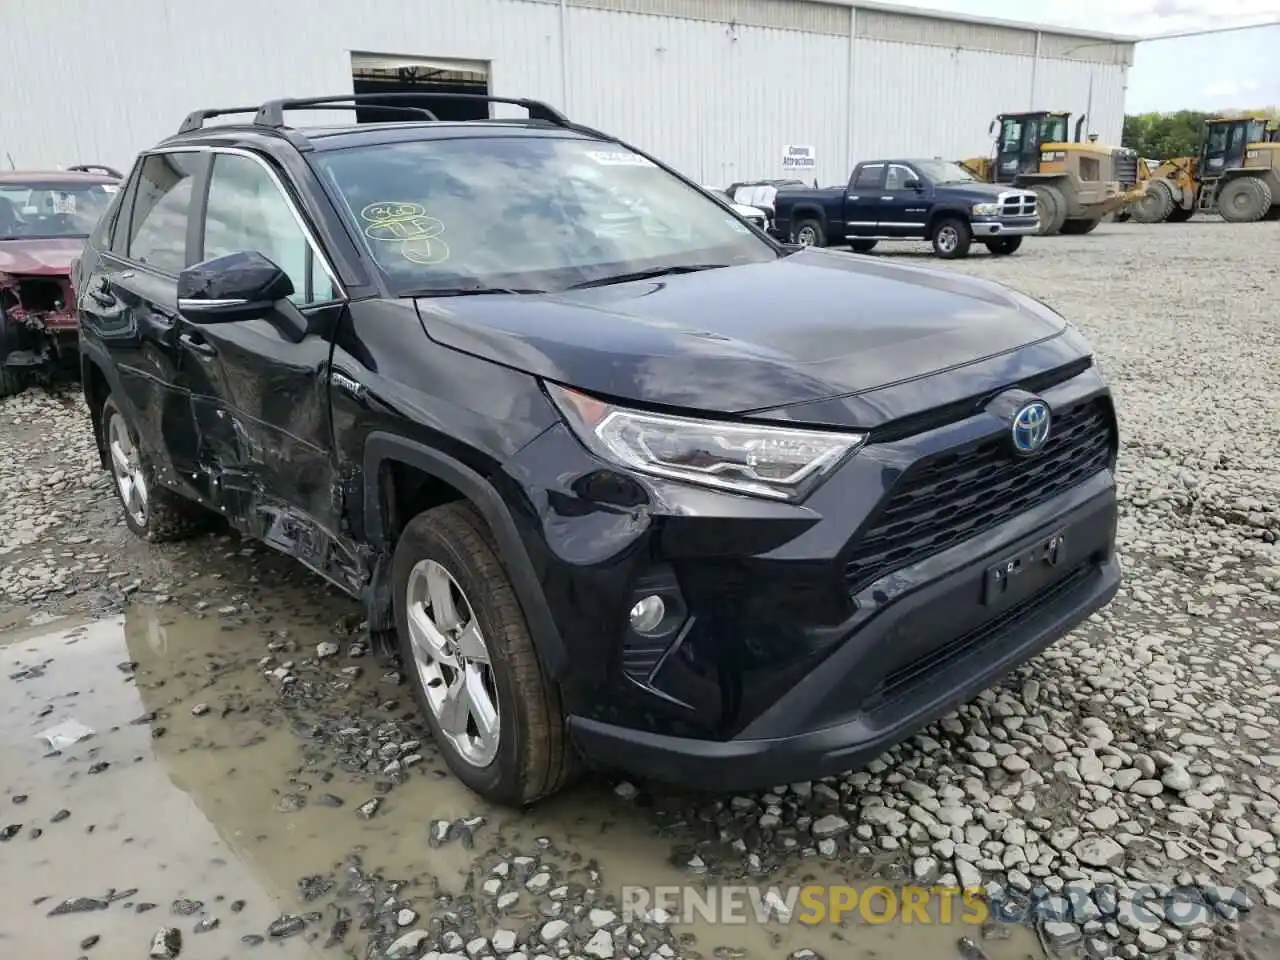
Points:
[(453, 662), (126, 469)]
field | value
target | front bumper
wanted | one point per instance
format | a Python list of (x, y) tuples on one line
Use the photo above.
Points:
[(910, 692), (807, 630), (994, 227)]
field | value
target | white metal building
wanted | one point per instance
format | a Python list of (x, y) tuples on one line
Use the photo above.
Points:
[(718, 88)]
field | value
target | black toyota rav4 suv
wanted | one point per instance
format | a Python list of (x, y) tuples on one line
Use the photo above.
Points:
[(629, 482)]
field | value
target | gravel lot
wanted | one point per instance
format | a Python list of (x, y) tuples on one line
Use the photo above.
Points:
[(256, 773)]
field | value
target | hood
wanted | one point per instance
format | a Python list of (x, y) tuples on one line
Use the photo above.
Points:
[(40, 257), (810, 326), (978, 192)]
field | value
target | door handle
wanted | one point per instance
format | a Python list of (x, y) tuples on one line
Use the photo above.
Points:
[(197, 344)]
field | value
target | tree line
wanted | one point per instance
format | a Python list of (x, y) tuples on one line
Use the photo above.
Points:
[(1164, 135)]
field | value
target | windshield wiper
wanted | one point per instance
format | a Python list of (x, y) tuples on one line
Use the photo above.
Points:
[(646, 274), (467, 291)]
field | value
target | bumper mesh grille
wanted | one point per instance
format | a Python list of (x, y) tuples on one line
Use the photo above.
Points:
[(955, 495)]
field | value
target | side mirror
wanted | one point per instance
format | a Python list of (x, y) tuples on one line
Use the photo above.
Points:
[(234, 287), (912, 184), (991, 128)]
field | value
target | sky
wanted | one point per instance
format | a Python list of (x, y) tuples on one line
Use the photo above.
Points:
[(1196, 73)]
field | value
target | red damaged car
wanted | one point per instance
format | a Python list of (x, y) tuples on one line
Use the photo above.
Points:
[(44, 220)]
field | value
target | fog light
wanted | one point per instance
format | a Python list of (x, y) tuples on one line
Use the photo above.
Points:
[(647, 614)]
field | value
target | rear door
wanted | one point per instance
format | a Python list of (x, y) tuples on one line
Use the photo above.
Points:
[(261, 401), (128, 303), (862, 200)]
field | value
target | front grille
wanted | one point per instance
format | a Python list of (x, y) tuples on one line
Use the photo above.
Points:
[(1018, 205), (952, 496), (1126, 166)]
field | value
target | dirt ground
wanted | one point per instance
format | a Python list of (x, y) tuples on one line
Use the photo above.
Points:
[(249, 774)]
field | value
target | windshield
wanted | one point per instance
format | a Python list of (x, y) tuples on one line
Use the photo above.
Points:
[(43, 210), (527, 213), (1053, 129), (944, 171)]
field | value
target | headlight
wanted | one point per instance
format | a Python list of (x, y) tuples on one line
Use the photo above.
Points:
[(986, 209), (777, 462)]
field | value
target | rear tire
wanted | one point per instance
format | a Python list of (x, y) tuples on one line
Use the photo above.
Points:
[(1003, 246), (1244, 200), (951, 238), (152, 512), (809, 233), (1155, 205), (863, 246), (1051, 209), (461, 630)]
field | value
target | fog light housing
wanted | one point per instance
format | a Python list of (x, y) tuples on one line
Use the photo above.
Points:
[(647, 614)]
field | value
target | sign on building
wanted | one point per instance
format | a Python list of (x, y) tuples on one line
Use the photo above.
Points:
[(798, 158)]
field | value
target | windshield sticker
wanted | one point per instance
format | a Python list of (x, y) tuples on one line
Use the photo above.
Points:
[(619, 158), (408, 225)]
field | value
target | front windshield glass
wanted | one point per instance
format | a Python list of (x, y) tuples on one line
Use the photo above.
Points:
[(944, 171), (1053, 130), (527, 213), (42, 210), (1257, 132)]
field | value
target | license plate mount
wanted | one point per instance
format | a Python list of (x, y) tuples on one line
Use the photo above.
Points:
[(1023, 573)]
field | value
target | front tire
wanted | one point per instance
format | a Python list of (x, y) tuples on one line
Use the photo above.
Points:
[(1079, 227), (151, 512), (951, 238), (809, 233), (12, 382), (1051, 209), (1003, 246), (1155, 204), (466, 650)]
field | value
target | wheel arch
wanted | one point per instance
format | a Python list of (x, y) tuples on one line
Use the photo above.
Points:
[(99, 380), (942, 211), (388, 460), (808, 211)]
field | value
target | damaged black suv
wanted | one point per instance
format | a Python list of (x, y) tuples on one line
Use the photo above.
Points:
[(630, 483)]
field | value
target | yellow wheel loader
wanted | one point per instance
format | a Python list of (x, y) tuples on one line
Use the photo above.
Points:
[(1077, 182), (1236, 175)]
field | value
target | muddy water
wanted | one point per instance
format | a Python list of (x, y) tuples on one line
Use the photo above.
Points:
[(224, 769)]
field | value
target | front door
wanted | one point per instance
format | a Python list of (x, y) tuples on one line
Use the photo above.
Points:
[(862, 201), (904, 209), (261, 403), (128, 300), (1018, 150)]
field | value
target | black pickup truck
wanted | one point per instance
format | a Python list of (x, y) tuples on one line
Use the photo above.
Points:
[(933, 200)]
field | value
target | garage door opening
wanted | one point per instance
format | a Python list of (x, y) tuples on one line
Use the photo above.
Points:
[(389, 74)]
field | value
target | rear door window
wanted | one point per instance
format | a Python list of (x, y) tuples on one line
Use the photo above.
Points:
[(161, 211), (869, 177)]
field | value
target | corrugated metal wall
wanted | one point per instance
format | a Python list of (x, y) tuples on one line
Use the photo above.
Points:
[(716, 87)]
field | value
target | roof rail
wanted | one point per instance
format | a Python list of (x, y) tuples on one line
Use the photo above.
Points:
[(195, 121), (98, 168), (271, 113)]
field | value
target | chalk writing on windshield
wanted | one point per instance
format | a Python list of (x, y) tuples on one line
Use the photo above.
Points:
[(418, 236)]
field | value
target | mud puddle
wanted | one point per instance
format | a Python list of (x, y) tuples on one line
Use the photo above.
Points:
[(254, 775)]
